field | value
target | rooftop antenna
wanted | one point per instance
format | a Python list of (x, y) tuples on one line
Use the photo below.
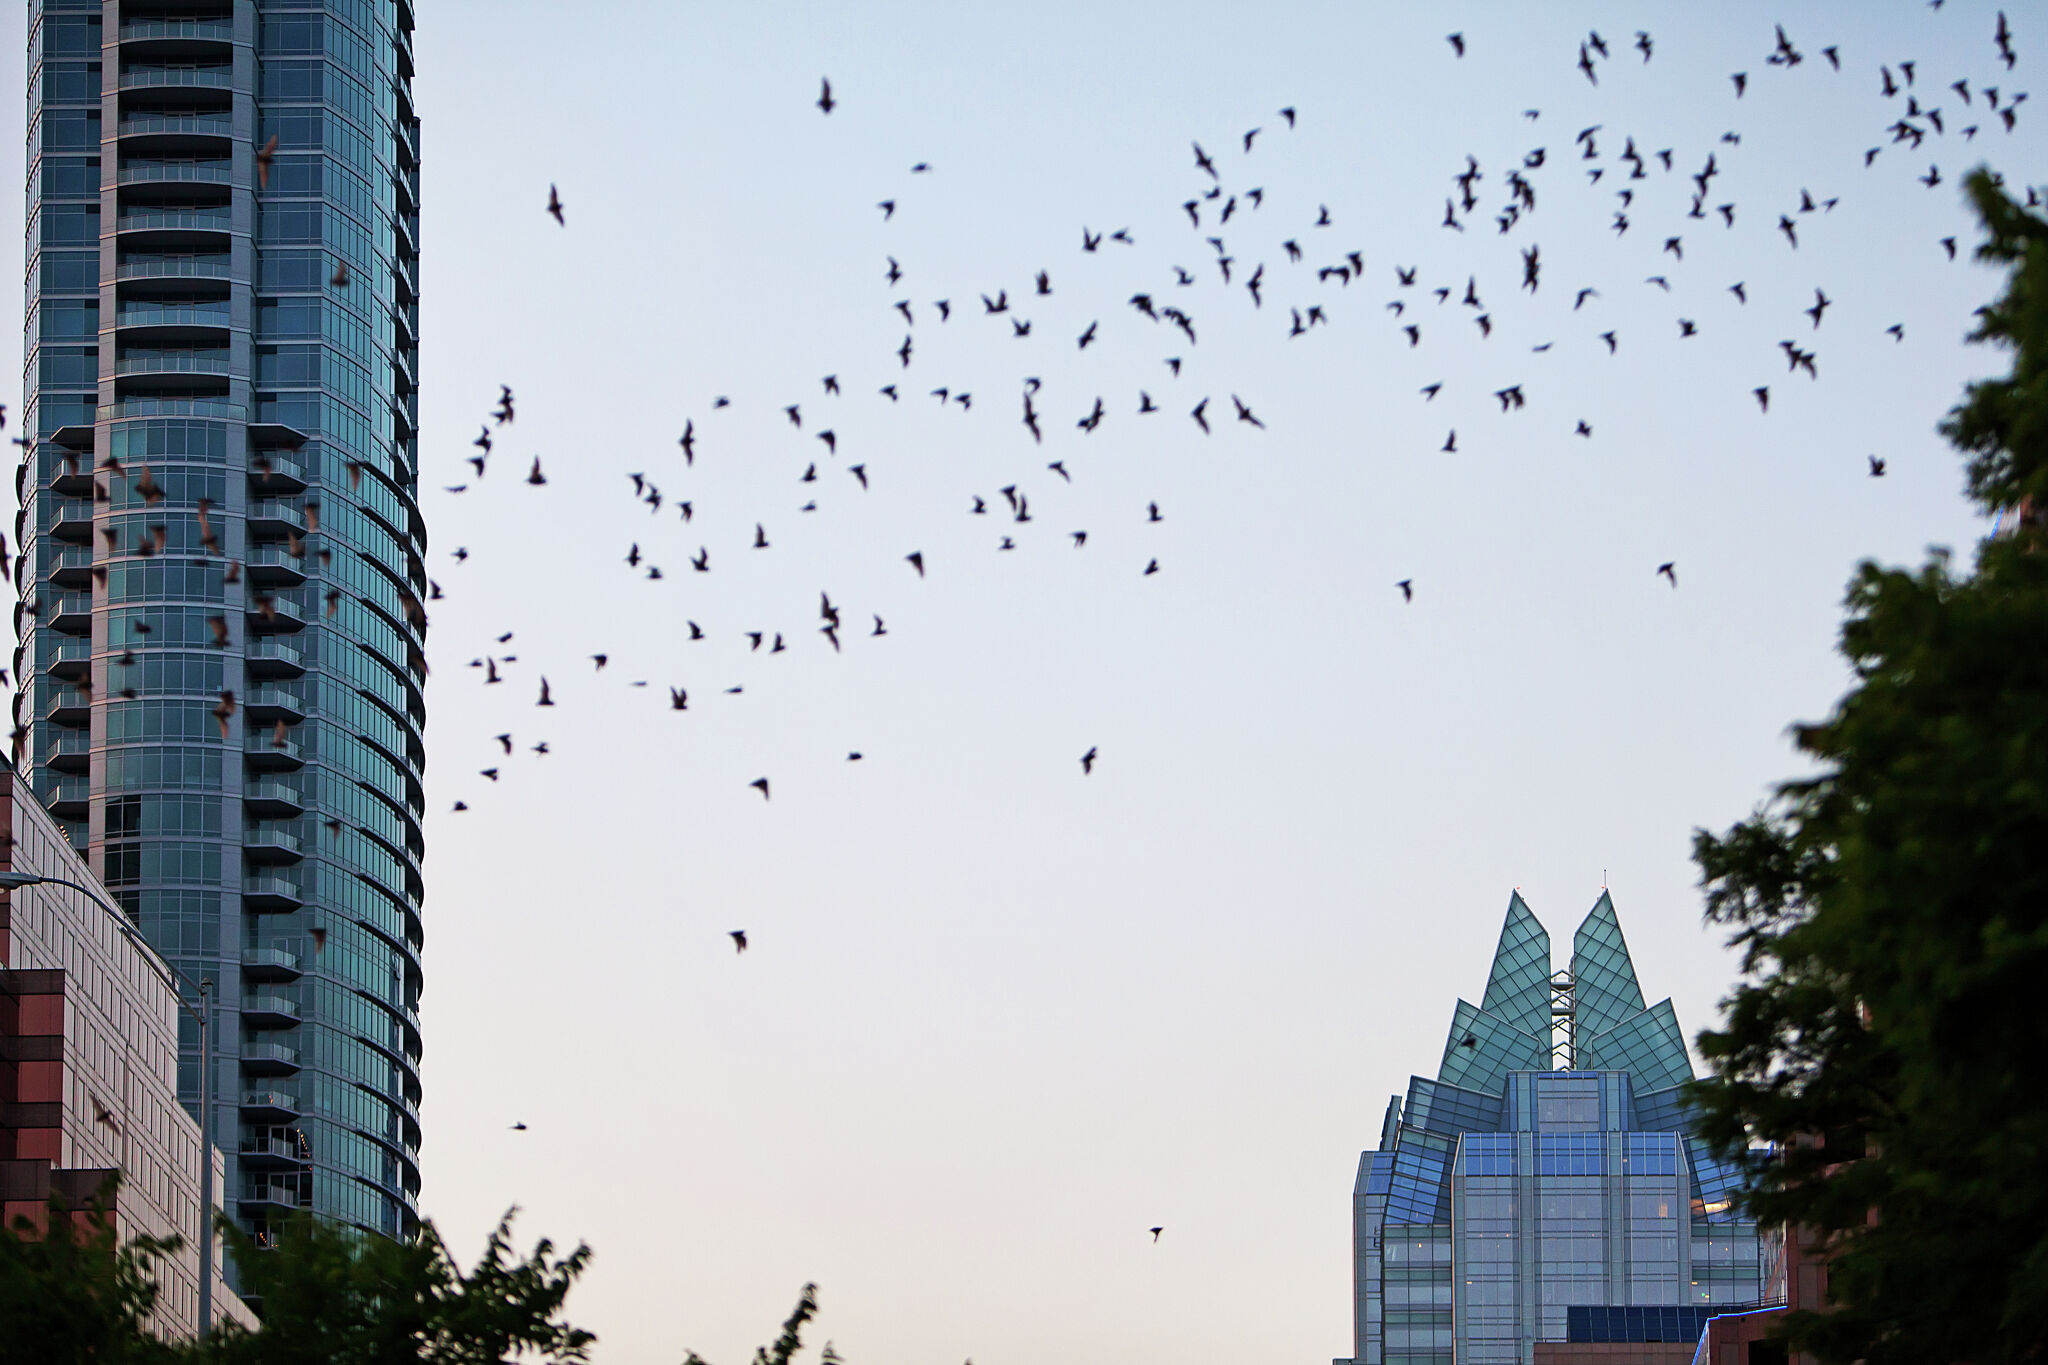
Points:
[(1564, 1021)]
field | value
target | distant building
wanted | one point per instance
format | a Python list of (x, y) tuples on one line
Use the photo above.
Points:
[(222, 554), (89, 1065), (1551, 1165)]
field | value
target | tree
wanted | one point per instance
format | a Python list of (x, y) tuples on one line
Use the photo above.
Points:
[(330, 1296), (1893, 913), (69, 1292), (333, 1296), (792, 1339)]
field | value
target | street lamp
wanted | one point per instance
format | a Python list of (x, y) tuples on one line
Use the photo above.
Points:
[(11, 881)]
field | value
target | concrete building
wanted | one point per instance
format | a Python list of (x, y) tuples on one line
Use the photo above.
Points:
[(1550, 1167), (88, 1066), (221, 562)]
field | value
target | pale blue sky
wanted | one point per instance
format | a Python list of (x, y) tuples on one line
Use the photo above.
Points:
[(998, 1018)]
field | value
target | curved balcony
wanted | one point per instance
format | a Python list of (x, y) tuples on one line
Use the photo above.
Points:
[(270, 1011), (210, 31), (175, 268), (275, 615), (154, 323), (270, 964), (197, 363), (273, 566), (273, 659), (71, 566), (171, 407), (272, 801), (185, 230), (178, 78), (263, 754), (197, 130), (271, 1153), (67, 799), (68, 659), (71, 613), (271, 895), (175, 171), (72, 520), (274, 520), (269, 704), (276, 474), (73, 479), (271, 846), (174, 220), (263, 1196), (68, 751), (269, 1059), (269, 1105)]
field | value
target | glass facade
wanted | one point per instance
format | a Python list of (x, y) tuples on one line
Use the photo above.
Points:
[(1550, 1166), (218, 501)]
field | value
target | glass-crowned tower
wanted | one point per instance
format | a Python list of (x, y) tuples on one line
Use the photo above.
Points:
[(220, 564), (1550, 1166)]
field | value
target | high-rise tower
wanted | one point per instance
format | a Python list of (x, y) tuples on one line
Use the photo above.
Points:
[(222, 553), (1550, 1179)]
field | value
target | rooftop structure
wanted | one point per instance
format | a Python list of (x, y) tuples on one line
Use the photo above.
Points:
[(1551, 1164)]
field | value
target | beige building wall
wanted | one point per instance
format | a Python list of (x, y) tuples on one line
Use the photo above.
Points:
[(119, 1094)]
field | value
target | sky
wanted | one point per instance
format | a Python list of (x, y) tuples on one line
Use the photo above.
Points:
[(998, 1017)]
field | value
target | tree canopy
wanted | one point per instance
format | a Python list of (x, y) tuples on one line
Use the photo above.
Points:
[(1893, 913), (329, 1296)]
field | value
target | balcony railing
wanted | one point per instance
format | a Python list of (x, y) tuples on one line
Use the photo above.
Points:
[(70, 612), (265, 754), (68, 798), (276, 516), (195, 220), (271, 845), (272, 703), (274, 658), (280, 1192), (172, 407), (68, 751), (278, 472), (177, 172), (174, 267), (257, 1056), (276, 615), (201, 77), (71, 564), (219, 30), (282, 1149), (64, 652), (142, 315), (172, 364), (270, 1099), (270, 1008), (197, 125), (273, 800), (269, 963)]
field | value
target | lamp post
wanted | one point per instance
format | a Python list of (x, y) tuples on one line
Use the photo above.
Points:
[(10, 881)]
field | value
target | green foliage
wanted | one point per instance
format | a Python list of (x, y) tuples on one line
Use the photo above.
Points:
[(2003, 423), (1893, 912), (791, 1341), (75, 1294), (331, 1296)]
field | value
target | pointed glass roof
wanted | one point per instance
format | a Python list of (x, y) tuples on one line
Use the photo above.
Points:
[(1604, 987), (1518, 990)]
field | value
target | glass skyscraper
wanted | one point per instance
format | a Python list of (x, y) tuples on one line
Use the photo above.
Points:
[(221, 564), (1550, 1165)]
